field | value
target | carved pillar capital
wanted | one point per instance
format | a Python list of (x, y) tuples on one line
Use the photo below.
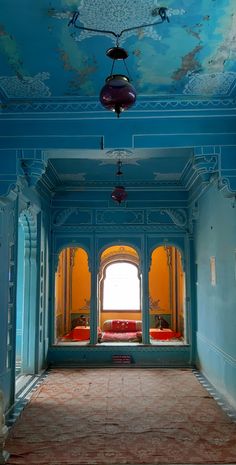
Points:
[(206, 162), (32, 170)]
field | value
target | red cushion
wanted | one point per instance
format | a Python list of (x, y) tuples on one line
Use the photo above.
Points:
[(122, 326), (109, 336), (163, 334)]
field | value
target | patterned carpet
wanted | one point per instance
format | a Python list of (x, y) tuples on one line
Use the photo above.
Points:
[(122, 416)]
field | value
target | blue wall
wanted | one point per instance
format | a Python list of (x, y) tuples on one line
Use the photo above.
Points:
[(215, 236)]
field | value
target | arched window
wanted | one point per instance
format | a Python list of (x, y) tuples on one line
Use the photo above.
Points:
[(121, 287)]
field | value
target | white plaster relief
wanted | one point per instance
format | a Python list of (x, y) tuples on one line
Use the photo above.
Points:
[(213, 83), (61, 217), (144, 106), (126, 156), (122, 216), (117, 16), (27, 87), (178, 216), (119, 154)]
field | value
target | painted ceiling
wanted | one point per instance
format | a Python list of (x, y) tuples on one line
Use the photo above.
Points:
[(51, 74), (144, 168), (192, 55)]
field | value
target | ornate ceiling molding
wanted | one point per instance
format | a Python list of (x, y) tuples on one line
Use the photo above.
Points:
[(211, 84), (65, 105)]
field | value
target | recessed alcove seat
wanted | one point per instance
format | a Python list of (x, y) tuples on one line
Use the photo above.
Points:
[(79, 333), (120, 331), (164, 334)]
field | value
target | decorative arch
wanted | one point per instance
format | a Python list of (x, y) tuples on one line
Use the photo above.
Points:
[(172, 242), (114, 243), (72, 287), (26, 304), (117, 253), (75, 245)]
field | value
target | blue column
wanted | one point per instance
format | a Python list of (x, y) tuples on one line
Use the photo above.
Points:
[(94, 296), (191, 302), (145, 294)]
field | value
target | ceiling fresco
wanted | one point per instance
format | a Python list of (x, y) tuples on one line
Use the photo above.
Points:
[(191, 56), (53, 65), (146, 168)]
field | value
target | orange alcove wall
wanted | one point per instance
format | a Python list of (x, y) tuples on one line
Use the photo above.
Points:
[(72, 288), (166, 286)]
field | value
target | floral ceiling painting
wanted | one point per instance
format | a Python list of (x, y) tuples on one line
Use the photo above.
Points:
[(190, 56)]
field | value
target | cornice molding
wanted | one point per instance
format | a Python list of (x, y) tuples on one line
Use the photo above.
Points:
[(119, 229), (143, 105), (137, 185)]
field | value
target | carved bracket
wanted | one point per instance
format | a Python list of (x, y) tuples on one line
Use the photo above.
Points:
[(61, 217), (178, 216), (227, 180), (77, 216), (206, 166)]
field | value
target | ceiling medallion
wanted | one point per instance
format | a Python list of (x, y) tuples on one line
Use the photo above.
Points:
[(118, 94), (119, 154)]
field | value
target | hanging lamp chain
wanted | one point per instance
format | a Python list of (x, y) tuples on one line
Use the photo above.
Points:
[(161, 12), (119, 165)]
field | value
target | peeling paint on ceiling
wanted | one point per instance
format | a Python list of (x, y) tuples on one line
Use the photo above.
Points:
[(193, 54)]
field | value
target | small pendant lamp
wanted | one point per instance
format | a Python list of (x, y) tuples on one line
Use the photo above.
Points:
[(119, 194)]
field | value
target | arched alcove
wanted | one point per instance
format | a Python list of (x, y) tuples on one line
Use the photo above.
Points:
[(72, 296), (166, 295)]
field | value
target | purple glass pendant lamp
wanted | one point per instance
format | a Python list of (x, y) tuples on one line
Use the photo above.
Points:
[(119, 194), (118, 94)]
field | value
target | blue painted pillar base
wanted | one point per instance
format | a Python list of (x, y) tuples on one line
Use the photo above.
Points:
[(4, 455)]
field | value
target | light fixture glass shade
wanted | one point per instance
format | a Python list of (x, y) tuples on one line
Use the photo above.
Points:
[(119, 194), (117, 94)]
